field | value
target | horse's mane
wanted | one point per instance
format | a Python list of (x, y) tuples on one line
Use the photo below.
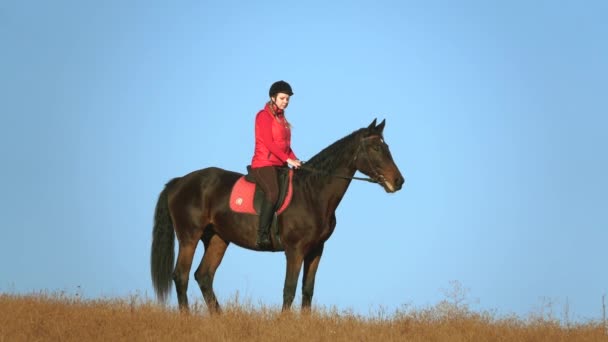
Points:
[(331, 157)]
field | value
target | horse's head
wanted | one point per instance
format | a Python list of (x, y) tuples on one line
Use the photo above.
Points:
[(373, 158)]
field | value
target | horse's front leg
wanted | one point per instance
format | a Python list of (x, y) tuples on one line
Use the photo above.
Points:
[(294, 264), (311, 263)]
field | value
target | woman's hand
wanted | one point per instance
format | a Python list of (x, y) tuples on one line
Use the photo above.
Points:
[(294, 163)]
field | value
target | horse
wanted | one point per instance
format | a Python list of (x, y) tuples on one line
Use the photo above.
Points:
[(196, 208)]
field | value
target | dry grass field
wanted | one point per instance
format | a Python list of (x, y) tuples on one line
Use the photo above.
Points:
[(57, 317)]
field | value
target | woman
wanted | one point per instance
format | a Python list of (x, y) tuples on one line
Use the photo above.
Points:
[(272, 150)]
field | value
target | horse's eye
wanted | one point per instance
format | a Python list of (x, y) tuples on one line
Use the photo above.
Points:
[(376, 148)]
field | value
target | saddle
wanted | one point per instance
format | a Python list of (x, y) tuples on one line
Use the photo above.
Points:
[(247, 198)]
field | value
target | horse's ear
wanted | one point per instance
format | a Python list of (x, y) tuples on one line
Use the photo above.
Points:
[(372, 125), (380, 127)]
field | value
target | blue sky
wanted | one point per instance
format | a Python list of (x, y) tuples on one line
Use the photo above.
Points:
[(496, 115)]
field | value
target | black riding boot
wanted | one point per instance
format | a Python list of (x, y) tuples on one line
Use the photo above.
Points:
[(266, 216)]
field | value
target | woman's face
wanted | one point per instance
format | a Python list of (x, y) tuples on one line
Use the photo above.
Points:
[(281, 101)]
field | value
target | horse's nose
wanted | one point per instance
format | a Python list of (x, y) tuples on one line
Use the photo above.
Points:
[(399, 182)]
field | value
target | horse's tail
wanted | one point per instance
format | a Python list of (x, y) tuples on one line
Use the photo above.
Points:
[(162, 255)]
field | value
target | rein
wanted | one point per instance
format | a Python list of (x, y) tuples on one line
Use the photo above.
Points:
[(307, 168)]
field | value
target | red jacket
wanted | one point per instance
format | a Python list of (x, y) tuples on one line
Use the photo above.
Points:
[(272, 139)]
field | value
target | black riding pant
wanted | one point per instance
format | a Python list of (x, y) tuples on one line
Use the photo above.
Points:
[(266, 177)]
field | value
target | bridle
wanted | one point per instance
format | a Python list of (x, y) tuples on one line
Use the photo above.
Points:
[(376, 177)]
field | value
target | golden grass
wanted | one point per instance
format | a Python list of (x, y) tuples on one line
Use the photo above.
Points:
[(42, 317)]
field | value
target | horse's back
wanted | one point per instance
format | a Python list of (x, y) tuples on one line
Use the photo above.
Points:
[(213, 172), (210, 180), (197, 193)]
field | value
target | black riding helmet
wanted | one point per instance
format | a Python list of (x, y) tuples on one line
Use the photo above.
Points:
[(280, 87)]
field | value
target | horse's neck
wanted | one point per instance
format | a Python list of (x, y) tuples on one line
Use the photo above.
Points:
[(331, 191), (332, 187)]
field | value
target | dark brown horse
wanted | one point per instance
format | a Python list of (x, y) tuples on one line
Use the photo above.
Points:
[(196, 208)]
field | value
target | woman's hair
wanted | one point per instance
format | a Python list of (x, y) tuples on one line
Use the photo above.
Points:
[(271, 105)]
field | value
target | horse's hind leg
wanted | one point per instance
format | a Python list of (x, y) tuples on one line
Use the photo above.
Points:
[(215, 248), (182, 270)]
